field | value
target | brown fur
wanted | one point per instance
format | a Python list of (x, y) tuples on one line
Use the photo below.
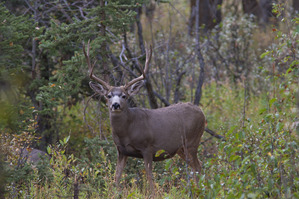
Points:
[(154, 134)]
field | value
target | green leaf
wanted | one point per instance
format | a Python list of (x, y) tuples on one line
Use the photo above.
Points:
[(233, 158), (263, 110), (289, 70), (231, 130), (295, 62), (131, 194), (65, 140), (265, 54), (168, 164), (49, 150), (279, 126), (52, 161), (231, 196), (253, 169), (272, 101)]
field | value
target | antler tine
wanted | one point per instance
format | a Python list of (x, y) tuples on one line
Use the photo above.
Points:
[(148, 59), (91, 67), (148, 54)]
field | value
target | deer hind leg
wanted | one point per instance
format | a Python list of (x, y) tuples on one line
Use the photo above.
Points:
[(148, 159), (196, 164), (190, 157), (121, 162)]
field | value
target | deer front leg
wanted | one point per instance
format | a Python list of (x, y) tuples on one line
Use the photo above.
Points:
[(148, 159), (121, 162)]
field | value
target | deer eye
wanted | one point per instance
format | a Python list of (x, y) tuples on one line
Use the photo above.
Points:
[(124, 97), (109, 96)]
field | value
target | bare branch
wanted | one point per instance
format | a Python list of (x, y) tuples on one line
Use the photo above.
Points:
[(122, 53), (166, 103), (212, 133), (84, 113)]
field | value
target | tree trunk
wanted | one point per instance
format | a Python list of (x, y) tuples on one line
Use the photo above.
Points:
[(198, 92), (139, 30), (296, 5), (151, 96), (76, 188), (266, 7), (262, 10), (251, 7), (103, 49), (177, 88), (209, 14), (44, 128)]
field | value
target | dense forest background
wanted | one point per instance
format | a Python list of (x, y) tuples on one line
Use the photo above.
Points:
[(237, 60)]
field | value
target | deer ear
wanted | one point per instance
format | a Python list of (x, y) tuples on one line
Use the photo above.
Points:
[(134, 89), (98, 88)]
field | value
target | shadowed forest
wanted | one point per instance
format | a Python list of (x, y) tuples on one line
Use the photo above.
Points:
[(236, 60)]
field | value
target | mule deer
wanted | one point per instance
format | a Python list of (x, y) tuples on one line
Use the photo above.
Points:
[(153, 135)]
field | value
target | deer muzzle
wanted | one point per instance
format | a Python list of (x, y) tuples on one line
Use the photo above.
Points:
[(115, 106)]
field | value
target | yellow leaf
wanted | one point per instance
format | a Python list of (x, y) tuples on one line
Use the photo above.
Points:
[(269, 154), (158, 153)]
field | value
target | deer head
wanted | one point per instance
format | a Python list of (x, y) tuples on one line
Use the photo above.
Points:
[(116, 96)]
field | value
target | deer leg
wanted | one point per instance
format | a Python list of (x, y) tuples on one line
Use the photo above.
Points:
[(148, 159), (121, 162), (190, 156), (196, 165), (182, 154)]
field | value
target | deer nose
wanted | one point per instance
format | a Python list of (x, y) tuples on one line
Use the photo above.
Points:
[(115, 106)]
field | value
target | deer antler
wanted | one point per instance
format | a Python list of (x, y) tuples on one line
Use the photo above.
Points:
[(91, 66), (148, 54)]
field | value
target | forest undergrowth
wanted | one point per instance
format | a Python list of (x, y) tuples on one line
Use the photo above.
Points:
[(257, 158)]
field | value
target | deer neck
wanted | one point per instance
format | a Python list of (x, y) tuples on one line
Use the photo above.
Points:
[(120, 121)]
